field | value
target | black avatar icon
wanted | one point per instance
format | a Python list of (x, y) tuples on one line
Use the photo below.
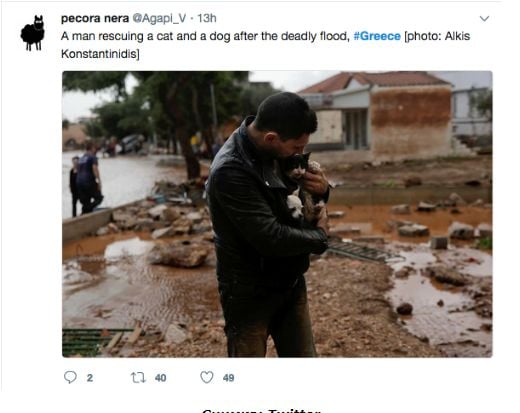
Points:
[(33, 33)]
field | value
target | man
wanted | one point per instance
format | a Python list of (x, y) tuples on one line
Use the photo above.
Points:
[(88, 180), (72, 184), (262, 253)]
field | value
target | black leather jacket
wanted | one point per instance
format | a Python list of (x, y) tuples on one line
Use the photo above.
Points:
[(256, 240)]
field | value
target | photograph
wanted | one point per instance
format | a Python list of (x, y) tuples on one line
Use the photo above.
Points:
[(277, 214)]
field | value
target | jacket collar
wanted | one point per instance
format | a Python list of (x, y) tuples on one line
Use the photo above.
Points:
[(267, 167)]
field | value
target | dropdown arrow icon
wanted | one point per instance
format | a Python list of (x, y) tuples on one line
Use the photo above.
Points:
[(484, 18)]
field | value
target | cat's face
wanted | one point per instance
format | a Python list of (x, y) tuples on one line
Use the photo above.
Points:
[(295, 166)]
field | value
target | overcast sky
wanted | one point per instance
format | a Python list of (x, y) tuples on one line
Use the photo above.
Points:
[(77, 104)]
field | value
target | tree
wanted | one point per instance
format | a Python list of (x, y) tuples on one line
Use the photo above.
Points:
[(179, 103), (482, 102), (186, 101)]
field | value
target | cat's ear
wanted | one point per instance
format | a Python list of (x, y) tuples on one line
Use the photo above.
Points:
[(306, 156), (296, 192)]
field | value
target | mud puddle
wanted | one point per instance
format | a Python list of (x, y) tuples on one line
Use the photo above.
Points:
[(444, 314), (375, 219), (110, 284)]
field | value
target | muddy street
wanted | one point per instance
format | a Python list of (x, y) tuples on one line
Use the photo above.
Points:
[(109, 282), (124, 178)]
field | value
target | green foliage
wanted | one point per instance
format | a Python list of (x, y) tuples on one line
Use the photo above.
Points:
[(252, 95), (123, 118), (169, 105), (94, 128), (485, 243), (482, 102)]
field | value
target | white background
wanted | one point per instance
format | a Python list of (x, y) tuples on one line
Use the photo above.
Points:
[(32, 366)]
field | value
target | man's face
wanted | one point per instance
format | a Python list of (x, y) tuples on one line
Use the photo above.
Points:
[(283, 149)]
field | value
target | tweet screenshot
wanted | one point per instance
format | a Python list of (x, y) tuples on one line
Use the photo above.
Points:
[(259, 206)]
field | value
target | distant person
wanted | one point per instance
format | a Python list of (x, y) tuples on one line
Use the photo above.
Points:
[(88, 181), (72, 184)]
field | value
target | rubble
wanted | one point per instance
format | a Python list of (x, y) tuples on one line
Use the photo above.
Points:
[(176, 334), (425, 207), (404, 309), (445, 275), (183, 254), (459, 230), (344, 229), (412, 181), (401, 209), (414, 230), (404, 272), (457, 199), (439, 243), (161, 215), (485, 230)]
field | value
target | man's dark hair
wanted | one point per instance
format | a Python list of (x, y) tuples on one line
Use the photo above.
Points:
[(76, 158), (89, 145), (287, 114)]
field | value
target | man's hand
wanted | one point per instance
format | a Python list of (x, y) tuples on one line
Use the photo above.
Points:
[(315, 183)]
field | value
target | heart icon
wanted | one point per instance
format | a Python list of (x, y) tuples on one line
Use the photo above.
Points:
[(206, 376)]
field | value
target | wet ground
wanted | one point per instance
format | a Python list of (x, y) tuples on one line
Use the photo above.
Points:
[(374, 220), (124, 178), (108, 283), (442, 313)]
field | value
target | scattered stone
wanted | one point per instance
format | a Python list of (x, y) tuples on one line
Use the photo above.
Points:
[(485, 230), (371, 238), (414, 230), (157, 211), (175, 334), (401, 209), (439, 243), (202, 227), (440, 303), (455, 211), (412, 181), (403, 272), (336, 214), (102, 231), (163, 233), (458, 230), (404, 309), (147, 204), (121, 216), (345, 229), (179, 254), (478, 203), (182, 225), (144, 224), (457, 199), (171, 214), (425, 207), (400, 224), (446, 276), (326, 296), (195, 217)]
